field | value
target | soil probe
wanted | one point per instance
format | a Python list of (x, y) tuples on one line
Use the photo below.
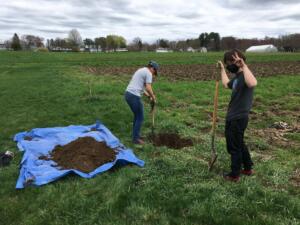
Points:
[(213, 131)]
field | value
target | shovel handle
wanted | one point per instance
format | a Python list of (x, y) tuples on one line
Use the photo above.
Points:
[(215, 112), (214, 123)]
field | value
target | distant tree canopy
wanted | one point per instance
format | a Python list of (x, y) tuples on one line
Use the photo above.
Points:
[(15, 43), (114, 42), (163, 43), (30, 42), (88, 42), (59, 43), (101, 42), (212, 41)]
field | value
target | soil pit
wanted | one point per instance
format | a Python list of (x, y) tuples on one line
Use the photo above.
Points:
[(84, 154), (171, 140)]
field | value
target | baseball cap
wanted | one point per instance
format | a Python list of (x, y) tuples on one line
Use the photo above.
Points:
[(154, 65)]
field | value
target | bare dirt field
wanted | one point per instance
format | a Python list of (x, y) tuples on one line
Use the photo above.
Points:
[(202, 71)]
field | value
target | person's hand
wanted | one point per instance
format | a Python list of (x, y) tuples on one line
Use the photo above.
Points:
[(220, 65), (238, 61), (153, 99)]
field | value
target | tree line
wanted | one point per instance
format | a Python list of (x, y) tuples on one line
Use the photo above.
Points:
[(211, 41)]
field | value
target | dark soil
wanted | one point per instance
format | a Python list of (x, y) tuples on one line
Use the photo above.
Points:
[(27, 138), (84, 154), (171, 140), (203, 71)]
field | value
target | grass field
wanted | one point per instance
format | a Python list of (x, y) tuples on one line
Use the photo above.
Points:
[(174, 187)]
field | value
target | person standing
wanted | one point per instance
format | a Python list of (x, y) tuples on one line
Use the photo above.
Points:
[(140, 83), (242, 86)]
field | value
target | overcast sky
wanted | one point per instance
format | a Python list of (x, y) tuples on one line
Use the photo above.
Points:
[(148, 19)]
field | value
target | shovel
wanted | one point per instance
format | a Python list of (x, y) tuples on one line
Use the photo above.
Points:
[(213, 131)]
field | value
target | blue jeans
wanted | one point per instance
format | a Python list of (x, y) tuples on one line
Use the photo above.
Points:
[(136, 106)]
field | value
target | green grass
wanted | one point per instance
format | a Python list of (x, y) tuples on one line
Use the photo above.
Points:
[(28, 59), (174, 187)]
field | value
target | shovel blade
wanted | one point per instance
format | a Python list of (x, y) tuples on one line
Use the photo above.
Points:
[(212, 161)]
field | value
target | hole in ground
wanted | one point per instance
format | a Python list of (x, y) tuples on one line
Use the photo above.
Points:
[(171, 140)]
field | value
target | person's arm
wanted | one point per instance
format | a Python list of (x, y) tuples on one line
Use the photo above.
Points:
[(150, 92), (250, 79), (146, 94), (224, 77)]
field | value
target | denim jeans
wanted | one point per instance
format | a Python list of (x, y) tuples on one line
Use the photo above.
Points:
[(136, 106)]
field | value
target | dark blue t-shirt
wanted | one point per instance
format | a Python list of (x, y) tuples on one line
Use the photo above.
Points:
[(241, 98)]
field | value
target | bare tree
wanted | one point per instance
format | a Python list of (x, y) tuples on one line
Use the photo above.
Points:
[(7, 44), (75, 39), (137, 44), (228, 43), (181, 45), (31, 41)]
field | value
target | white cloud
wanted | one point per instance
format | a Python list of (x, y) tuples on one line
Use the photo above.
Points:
[(150, 20)]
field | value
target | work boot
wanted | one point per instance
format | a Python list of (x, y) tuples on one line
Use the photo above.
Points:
[(142, 138), (139, 142), (247, 172), (230, 177)]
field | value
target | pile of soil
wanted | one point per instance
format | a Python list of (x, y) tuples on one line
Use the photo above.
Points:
[(27, 138), (202, 71), (171, 140), (84, 154)]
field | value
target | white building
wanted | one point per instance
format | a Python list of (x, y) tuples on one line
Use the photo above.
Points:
[(262, 48), (2, 45), (121, 50), (163, 50), (203, 49), (190, 49)]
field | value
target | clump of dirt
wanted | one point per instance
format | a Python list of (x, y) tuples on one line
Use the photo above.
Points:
[(275, 134), (202, 71), (84, 154), (295, 178), (171, 140), (28, 138)]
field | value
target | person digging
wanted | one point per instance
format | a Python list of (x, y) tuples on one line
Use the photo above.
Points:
[(140, 83), (242, 86)]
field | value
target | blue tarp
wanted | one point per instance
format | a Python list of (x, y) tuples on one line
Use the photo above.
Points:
[(43, 140)]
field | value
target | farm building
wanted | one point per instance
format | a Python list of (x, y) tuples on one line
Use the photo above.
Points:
[(162, 50), (190, 49), (121, 50), (262, 48), (203, 49), (2, 45)]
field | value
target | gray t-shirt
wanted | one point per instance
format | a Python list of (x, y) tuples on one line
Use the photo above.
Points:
[(138, 81)]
